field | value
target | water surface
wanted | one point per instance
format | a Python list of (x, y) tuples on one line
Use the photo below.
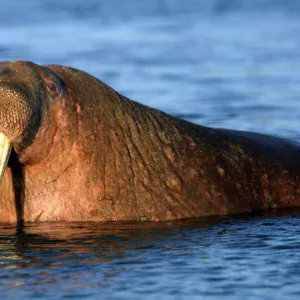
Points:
[(241, 257)]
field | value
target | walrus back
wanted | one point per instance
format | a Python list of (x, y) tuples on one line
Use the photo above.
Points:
[(264, 145), (176, 169)]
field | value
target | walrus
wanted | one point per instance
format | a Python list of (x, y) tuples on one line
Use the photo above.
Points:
[(74, 149)]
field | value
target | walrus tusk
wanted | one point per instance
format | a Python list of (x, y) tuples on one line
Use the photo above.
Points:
[(5, 149)]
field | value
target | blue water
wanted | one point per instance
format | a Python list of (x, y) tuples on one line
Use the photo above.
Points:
[(220, 63)]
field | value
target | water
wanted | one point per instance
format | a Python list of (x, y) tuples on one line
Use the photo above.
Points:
[(243, 257), (231, 64)]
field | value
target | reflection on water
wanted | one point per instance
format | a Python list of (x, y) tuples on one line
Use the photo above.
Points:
[(212, 257)]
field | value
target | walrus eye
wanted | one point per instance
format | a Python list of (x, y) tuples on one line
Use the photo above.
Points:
[(52, 89)]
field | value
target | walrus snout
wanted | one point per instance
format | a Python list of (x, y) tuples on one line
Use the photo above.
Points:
[(21, 91), (21, 101), (26, 92)]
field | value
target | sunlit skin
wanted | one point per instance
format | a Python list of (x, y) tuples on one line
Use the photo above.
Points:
[(83, 152)]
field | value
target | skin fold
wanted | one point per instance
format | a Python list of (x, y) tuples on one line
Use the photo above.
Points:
[(83, 152)]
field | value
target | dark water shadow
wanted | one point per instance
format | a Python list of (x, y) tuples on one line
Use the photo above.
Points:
[(42, 245), (33, 242), (87, 258)]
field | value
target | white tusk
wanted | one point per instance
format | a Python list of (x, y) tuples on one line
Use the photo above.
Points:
[(5, 149)]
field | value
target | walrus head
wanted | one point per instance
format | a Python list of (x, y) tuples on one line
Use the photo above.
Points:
[(56, 127), (26, 90)]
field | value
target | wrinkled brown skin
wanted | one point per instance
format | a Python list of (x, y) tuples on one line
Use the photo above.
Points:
[(85, 152)]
